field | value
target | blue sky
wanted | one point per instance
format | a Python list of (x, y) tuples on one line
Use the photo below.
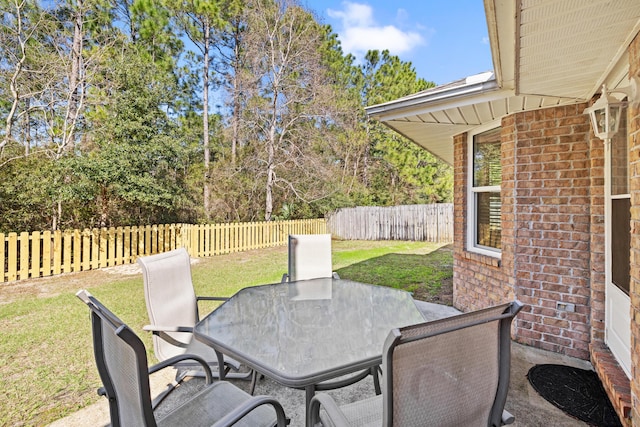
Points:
[(444, 40)]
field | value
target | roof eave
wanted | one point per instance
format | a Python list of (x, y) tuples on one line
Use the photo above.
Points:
[(433, 98)]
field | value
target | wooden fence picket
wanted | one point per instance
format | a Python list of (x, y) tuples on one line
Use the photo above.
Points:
[(12, 271), (57, 252), (86, 250), (39, 254), (432, 223), (24, 254), (36, 243), (3, 260)]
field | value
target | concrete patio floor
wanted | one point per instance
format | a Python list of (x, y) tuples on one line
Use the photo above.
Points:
[(528, 407)]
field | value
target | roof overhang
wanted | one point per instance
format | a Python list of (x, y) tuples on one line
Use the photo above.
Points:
[(430, 118), (545, 53)]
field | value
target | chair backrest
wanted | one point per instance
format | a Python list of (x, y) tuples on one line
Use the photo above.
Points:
[(453, 371), (121, 359), (170, 297), (309, 256)]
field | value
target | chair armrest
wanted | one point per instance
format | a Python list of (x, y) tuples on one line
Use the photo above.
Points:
[(285, 278), (212, 298), (159, 328), (206, 298), (175, 359), (333, 411), (238, 413), (162, 333)]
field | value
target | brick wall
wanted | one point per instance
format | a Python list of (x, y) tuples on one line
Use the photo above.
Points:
[(545, 219), (553, 247), (634, 160), (551, 205), (597, 241)]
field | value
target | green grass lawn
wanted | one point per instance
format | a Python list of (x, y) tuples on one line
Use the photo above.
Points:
[(47, 369)]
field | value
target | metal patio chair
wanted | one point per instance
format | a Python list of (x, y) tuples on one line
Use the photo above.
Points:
[(309, 257), (121, 359), (448, 372), (172, 306)]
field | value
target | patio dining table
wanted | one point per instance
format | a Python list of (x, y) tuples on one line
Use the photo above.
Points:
[(301, 334)]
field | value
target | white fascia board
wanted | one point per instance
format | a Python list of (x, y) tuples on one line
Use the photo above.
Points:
[(433, 96), (429, 104)]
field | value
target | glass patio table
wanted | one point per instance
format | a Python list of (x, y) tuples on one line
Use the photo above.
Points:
[(303, 333)]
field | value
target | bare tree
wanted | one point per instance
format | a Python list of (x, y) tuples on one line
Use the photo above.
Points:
[(18, 29), (286, 95)]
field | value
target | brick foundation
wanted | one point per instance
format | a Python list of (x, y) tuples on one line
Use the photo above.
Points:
[(613, 379)]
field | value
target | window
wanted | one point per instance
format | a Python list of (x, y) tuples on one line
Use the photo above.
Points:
[(484, 231)]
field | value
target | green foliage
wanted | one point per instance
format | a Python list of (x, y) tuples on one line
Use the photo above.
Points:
[(289, 137), (138, 169), (401, 172)]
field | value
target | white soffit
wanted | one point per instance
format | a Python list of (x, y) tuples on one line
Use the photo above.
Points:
[(430, 118), (569, 48)]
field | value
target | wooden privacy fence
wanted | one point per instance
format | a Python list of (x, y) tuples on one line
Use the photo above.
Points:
[(430, 223), (39, 254)]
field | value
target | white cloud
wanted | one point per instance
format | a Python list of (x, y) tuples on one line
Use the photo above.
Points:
[(353, 15), (358, 40), (359, 32)]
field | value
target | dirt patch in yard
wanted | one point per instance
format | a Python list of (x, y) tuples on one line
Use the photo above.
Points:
[(444, 295)]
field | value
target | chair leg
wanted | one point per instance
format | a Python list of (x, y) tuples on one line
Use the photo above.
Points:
[(254, 380), (376, 380)]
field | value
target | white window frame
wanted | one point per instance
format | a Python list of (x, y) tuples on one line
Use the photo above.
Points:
[(472, 246)]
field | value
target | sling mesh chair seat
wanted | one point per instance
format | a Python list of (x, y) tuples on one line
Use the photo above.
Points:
[(448, 372), (121, 359), (172, 306), (309, 257)]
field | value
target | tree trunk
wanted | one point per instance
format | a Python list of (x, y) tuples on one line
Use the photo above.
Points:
[(236, 96), (13, 83), (74, 79), (205, 116), (268, 211)]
